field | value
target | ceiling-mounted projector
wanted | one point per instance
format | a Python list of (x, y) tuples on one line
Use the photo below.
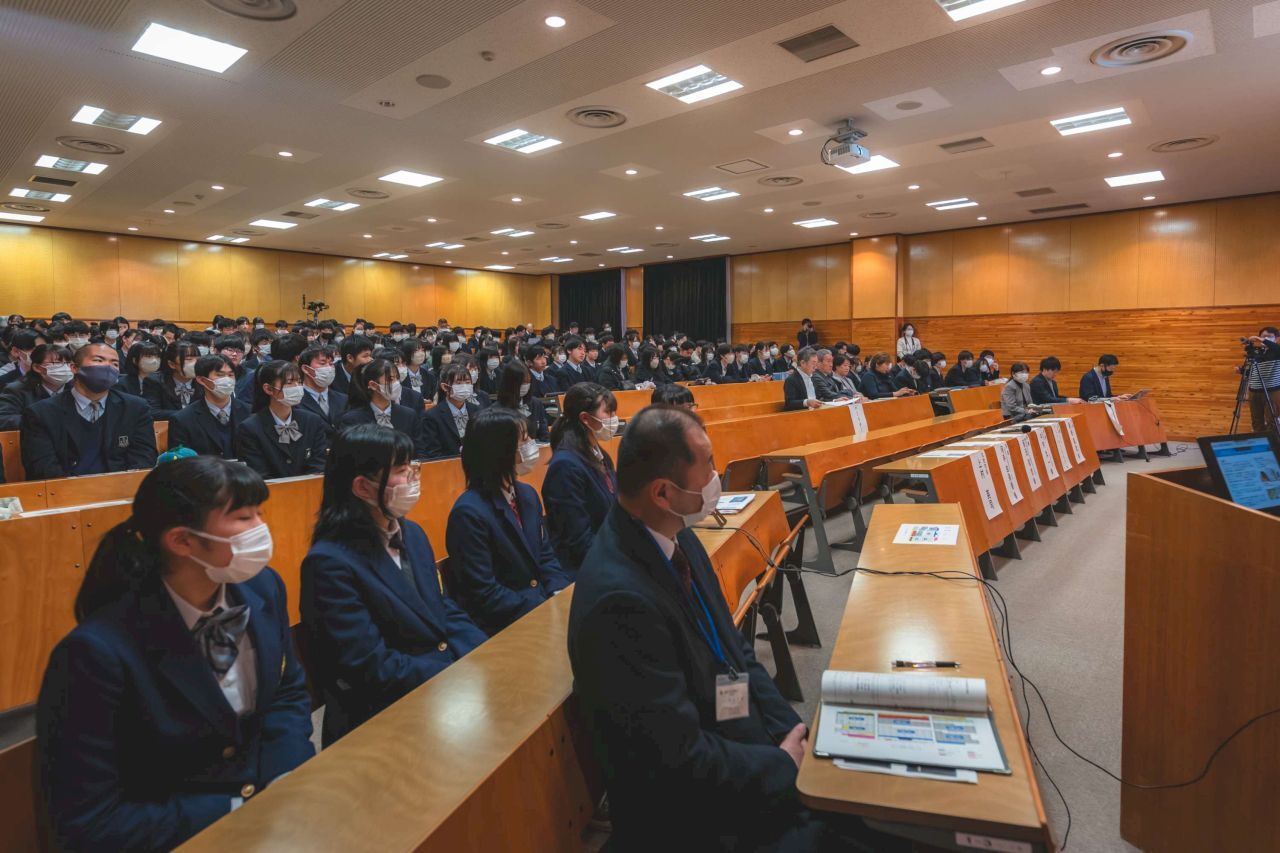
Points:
[(843, 149)]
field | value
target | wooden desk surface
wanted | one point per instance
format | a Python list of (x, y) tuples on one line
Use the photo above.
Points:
[(733, 555), (927, 618)]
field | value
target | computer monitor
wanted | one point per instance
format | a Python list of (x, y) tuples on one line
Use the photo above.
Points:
[(1245, 468)]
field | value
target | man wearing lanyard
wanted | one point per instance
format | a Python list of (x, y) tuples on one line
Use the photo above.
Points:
[(697, 745)]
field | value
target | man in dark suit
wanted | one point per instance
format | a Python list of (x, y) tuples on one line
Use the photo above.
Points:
[(208, 425), (1044, 388), (319, 398), (444, 426), (799, 390), (90, 427), (686, 723), (1097, 382), (823, 380)]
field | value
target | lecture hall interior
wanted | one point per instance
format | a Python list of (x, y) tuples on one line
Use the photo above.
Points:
[(616, 425)]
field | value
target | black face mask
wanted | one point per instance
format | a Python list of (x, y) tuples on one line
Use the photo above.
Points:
[(1107, 371)]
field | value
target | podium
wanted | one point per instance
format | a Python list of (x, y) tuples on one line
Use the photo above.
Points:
[(1201, 658)]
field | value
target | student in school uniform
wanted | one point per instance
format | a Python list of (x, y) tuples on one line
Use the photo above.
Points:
[(89, 427), (409, 398), (318, 371), (49, 373), (876, 384), (515, 393), (1015, 396), (374, 392), (373, 605), (963, 374), (279, 439), (737, 368), (988, 367), (501, 559), (914, 375), (574, 369), (143, 360), (614, 374), (178, 696), (1044, 387), (721, 369), (445, 425), (208, 425), (759, 363), (580, 486), (173, 388), (649, 366), (354, 351), (421, 377)]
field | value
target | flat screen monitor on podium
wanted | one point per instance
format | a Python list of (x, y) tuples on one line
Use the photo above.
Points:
[(1245, 469)]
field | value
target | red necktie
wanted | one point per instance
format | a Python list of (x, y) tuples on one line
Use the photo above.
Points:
[(516, 509), (683, 569)]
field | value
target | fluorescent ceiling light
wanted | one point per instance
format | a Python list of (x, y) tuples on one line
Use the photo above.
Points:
[(450, 246), (48, 161), (1135, 178), (561, 260), (273, 223), (188, 48), (21, 217), (952, 204), (875, 164), (618, 248), (332, 205), (815, 223), (39, 195), (523, 141), (382, 255), (694, 84), (630, 251), (398, 257), (599, 214), (1089, 122), (961, 10), (213, 237), (499, 267), (519, 233), (119, 121), (711, 194), (410, 179), (238, 240), (709, 238), (552, 258), (439, 244), (500, 232)]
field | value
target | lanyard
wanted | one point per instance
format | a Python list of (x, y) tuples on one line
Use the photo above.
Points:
[(707, 630)]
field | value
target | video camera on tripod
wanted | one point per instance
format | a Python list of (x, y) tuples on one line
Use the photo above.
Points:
[(1256, 370), (314, 307)]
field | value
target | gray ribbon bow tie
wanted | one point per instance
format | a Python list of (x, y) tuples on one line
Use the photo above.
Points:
[(288, 432), (223, 417), (218, 636), (383, 419)]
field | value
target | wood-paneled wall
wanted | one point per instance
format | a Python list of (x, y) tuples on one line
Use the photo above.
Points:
[(1185, 356), (90, 274), (873, 335), (791, 284)]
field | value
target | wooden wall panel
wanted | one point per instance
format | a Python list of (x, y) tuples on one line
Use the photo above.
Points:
[(784, 332), (26, 270), (1175, 255), (742, 274), (344, 287), (538, 295), (451, 294), (771, 287), (253, 286), (86, 273), (839, 259), (1039, 265), (301, 280), (1247, 262), (1104, 261), (1185, 356), (480, 292), (806, 283), (202, 281), (874, 334), (418, 302), (148, 278), (980, 270), (874, 277), (383, 286), (634, 293), (927, 284)]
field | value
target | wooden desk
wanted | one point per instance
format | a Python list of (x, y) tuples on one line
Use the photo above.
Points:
[(975, 399), (732, 554), (928, 618), (1140, 420)]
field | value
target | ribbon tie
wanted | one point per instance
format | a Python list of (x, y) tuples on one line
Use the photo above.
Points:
[(218, 636), (288, 432), (383, 418)]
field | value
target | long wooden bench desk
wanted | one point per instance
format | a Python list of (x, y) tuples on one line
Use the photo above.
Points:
[(922, 618), (1139, 421), (974, 399), (11, 451)]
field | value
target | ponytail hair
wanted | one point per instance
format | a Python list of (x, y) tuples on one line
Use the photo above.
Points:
[(180, 493), (570, 433)]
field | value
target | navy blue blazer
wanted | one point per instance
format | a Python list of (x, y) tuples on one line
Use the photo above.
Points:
[(1093, 385), (403, 419), (501, 569), (877, 386), (411, 399), (577, 499), (162, 397), (16, 399), (1045, 390), (341, 382), (427, 377), (259, 447), (375, 634), (139, 748), (959, 377), (196, 427), (569, 377), (49, 448), (130, 383), (244, 386), (337, 408), (440, 437), (644, 676)]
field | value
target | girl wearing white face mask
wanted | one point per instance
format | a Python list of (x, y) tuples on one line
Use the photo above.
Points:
[(144, 360), (500, 554), (515, 392), (581, 486), (180, 624), (173, 388), (372, 601), (280, 439), (50, 371), (374, 398)]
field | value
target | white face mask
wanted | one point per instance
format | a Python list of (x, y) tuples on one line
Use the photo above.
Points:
[(264, 350), (112, 335), (398, 337), (561, 358), (492, 364), (742, 358), (203, 350), (475, 374), (224, 386), (393, 392), (591, 338), (58, 374), (403, 371), (710, 497), (529, 457), (189, 369), (909, 332), (1021, 377), (150, 364), (454, 346), (402, 497), (653, 364), (608, 428), (259, 325), (323, 376), (461, 392), (695, 358), (419, 357), (291, 395), (942, 365), (524, 390), (773, 352), (967, 363), (250, 553)]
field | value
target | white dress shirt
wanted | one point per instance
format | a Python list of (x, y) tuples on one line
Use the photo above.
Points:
[(240, 684), (809, 393), (84, 406)]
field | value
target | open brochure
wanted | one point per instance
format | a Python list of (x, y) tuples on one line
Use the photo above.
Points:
[(912, 718)]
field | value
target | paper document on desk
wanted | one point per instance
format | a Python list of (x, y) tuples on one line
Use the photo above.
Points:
[(1110, 406), (946, 454), (927, 534), (986, 485), (910, 771), (912, 718)]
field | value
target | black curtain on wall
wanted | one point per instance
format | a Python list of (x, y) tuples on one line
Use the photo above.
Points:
[(689, 297), (592, 299)]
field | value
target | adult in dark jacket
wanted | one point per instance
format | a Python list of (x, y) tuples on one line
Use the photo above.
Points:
[(90, 427), (208, 425), (807, 336), (49, 373), (1044, 387), (372, 600), (278, 439), (374, 391), (876, 384), (445, 426), (501, 560), (149, 728), (1097, 382), (580, 485), (799, 390)]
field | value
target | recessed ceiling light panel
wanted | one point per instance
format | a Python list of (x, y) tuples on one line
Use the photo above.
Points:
[(961, 10), (21, 217), (410, 179), (822, 222), (48, 161), (188, 48), (599, 214), (694, 84), (522, 141), (875, 164), (952, 204), (1135, 178), (499, 267), (711, 194), (38, 195), (329, 204), (1089, 122), (274, 223), (140, 125)]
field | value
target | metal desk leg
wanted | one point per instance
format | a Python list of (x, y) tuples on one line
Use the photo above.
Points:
[(1009, 547), (1047, 517), (822, 561), (1063, 506), (785, 676), (988, 568), (1076, 495), (1098, 479), (1086, 485), (1164, 449), (1029, 531)]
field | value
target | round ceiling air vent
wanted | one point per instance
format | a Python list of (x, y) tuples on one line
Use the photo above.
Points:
[(258, 10), (552, 226), (878, 214), (433, 81), (248, 232), (1140, 49), (25, 207), (779, 181), (908, 106), (89, 146), (361, 192), (596, 117), (1190, 143)]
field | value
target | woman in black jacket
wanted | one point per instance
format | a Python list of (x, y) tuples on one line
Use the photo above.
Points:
[(614, 374), (650, 367)]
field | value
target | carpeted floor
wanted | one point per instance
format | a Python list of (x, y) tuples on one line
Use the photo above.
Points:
[(1066, 606)]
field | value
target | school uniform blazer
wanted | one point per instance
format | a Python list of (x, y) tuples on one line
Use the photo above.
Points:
[(258, 446), (1045, 390), (1094, 385), (614, 379), (645, 679), (139, 748), (427, 377), (538, 423), (794, 394), (411, 399), (806, 338), (16, 399), (375, 633), (501, 569), (876, 386), (404, 419), (162, 397), (737, 372), (439, 433), (717, 374), (196, 427), (244, 386), (958, 377), (577, 499), (49, 449), (544, 387), (757, 366), (341, 381), (337, 408), (131, 383), (569, 377)]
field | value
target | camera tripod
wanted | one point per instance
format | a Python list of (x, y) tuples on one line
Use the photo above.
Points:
[(1247, 371)]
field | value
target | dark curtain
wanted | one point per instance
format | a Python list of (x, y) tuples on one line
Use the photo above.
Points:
[(591, 299), (688, 297)]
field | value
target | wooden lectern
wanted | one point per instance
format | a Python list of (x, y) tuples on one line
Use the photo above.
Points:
[(1201, 657)]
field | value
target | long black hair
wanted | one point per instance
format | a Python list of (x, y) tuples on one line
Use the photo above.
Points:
[(570, 433), (511, 376), (268, 374), (378, 370), (180, 493), (365, 450), (489, 451)]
